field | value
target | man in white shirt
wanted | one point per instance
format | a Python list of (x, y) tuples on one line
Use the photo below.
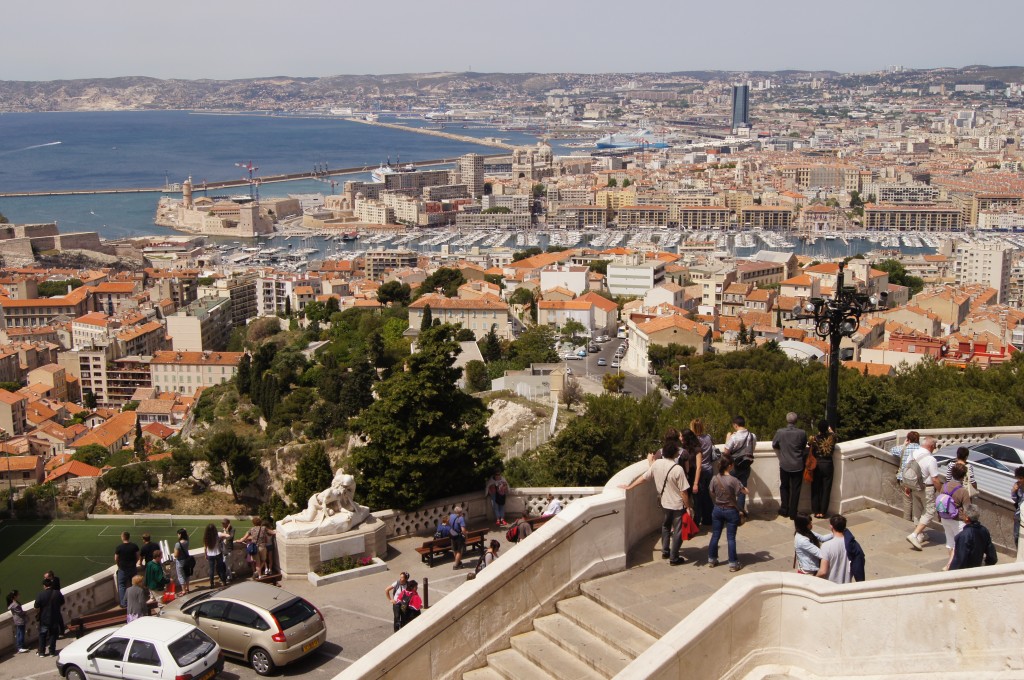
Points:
[(925, 498), (673, 491), (835, 564), (553, 507)]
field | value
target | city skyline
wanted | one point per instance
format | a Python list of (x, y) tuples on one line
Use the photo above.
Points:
[(111, 38)]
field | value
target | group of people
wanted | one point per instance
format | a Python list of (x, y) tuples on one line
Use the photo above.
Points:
[(49, 606), (836, 556), (926, 493), (405, 599)]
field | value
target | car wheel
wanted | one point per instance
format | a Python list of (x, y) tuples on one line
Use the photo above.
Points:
[(260, 661), (74, 673)]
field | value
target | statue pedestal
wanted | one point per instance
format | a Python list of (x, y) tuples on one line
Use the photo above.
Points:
[(299, 556)]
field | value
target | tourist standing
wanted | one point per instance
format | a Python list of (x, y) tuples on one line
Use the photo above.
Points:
[(137, 599), (212, 545), (922, 493), (257, 536), (691, 458), (155, 580), (19, 620), (952, 526), (740, 447), (457, 523), (227, 545), (807, 545), (1017, 495), (703, 505), (835, 563), (126, 557), (822, 446), (855, 553), (411, 603), (973, 544), (147, 549), (961, 459), (497, 491), (56, 586), (911, 443), (674, 495), (394, 594), (725, 491), (49, 603), (181, 560), (790, 445), (489, 556)]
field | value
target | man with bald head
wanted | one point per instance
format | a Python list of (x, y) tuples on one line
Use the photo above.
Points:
[(922, 499), (790, 444)]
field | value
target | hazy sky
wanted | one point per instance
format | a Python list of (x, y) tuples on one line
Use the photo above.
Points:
[(56, 39)]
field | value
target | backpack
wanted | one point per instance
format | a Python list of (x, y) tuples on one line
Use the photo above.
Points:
[(945, 505), (443, 531), (190, 565), (512, 535), (913, 476), (403, 601)]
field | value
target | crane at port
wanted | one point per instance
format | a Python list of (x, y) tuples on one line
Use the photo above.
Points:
[(328, 180), (254, 181)]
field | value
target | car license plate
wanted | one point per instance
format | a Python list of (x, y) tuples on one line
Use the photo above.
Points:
[(208, 674), (313, 644)]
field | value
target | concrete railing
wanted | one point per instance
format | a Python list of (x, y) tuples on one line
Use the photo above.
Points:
[(784, 621), (590, 538)]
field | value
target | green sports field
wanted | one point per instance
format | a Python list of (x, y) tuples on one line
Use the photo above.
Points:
[(75, 549)]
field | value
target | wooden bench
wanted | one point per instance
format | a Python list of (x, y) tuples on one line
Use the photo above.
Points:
[(271, 579), (439, 546), (105, 619)]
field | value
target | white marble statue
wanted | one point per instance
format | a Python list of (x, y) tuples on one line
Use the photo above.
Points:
[(331, 511)]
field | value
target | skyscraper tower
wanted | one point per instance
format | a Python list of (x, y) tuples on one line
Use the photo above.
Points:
[(740, 106), (471, 173)]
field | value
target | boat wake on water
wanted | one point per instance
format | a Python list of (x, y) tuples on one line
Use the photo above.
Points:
[(27, 148)]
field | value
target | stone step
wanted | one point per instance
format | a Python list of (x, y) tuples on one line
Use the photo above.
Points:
[(485, 673), (592, 589), (552, 658), (587, 647), (511, 665), (607, 625)]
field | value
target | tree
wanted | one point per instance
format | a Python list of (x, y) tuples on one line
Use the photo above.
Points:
[(313, 474), (375, 349), (287, 306), (242, 378), (612, 182), (573, 330), (539, 191), (315, 311), (232, 461), (464, 335), (130, 406), (488, 188), (742, 335), (92, 454), (445, 279), (899, 276), (425, 438), (626, 183), (490, 346), (523, 254), (394, 292), (89, 399), (600, 266), (140, 442), (57, 288), (428, 318), (613, 382), (476, 376), (536, 345), (496, 210), (523, 297), (572, 393), (131, 483), (3, 219)]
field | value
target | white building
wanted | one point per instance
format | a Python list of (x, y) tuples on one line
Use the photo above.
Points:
[(570, 277), (185, 372), (985, 263), (633, 275)]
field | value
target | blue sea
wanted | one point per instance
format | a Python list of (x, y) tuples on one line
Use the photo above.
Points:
[(105, 150)]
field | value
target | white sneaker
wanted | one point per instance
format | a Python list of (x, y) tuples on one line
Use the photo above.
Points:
[(915, 541), (23, 651)]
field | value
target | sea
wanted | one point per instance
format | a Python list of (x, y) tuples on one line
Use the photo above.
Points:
[(139, 149)]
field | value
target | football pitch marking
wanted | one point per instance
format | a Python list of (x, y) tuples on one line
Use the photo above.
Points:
[(36, 541)]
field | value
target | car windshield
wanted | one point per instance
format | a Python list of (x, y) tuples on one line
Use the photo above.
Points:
[(98, 642), (989, 462), (293, 613), (999, 452), (191, 647)]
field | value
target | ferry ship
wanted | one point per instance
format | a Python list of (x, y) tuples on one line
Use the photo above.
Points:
[(627, 141), (386, 169)]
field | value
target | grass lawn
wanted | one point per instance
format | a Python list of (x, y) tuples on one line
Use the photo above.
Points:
[(75, 549)]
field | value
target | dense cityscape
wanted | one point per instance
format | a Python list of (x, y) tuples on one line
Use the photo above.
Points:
[(635, 252)]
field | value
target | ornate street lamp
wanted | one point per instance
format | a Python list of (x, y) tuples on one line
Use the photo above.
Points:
[(835, 318)]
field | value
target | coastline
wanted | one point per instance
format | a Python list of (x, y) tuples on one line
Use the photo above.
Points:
[(434, 133)]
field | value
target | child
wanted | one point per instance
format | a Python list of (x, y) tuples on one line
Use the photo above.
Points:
[(18, 615)]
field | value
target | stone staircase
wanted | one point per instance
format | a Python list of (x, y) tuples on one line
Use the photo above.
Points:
[(583, 640)]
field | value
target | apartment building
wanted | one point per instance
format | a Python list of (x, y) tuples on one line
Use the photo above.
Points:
[(580, 216), (240, 288), (203, 325), (766, 217), (642, 216), (713, 278), (42, 311), (923, 217), (471, 173), (185, 372), (180, 286), (989, 264), (633, 275), (702, 217), (379, 262), (570, 277), (477, 315)]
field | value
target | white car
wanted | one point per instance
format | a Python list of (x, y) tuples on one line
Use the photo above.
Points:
[(147, 648)]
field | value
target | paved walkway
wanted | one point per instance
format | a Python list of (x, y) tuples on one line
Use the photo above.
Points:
[(357, 614), (359, 617)]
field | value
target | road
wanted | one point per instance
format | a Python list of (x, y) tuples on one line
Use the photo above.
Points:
[(636, 385)]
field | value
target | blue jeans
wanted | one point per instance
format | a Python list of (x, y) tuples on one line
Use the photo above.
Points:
[(124, 582), (671, 534), (742, 475), (19, 637), (48, 638), (730, 519), (499, 510)]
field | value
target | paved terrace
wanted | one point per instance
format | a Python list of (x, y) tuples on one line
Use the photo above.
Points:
[(651, 592)]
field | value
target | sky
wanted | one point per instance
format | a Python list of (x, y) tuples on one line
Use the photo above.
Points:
[(224, 39)]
